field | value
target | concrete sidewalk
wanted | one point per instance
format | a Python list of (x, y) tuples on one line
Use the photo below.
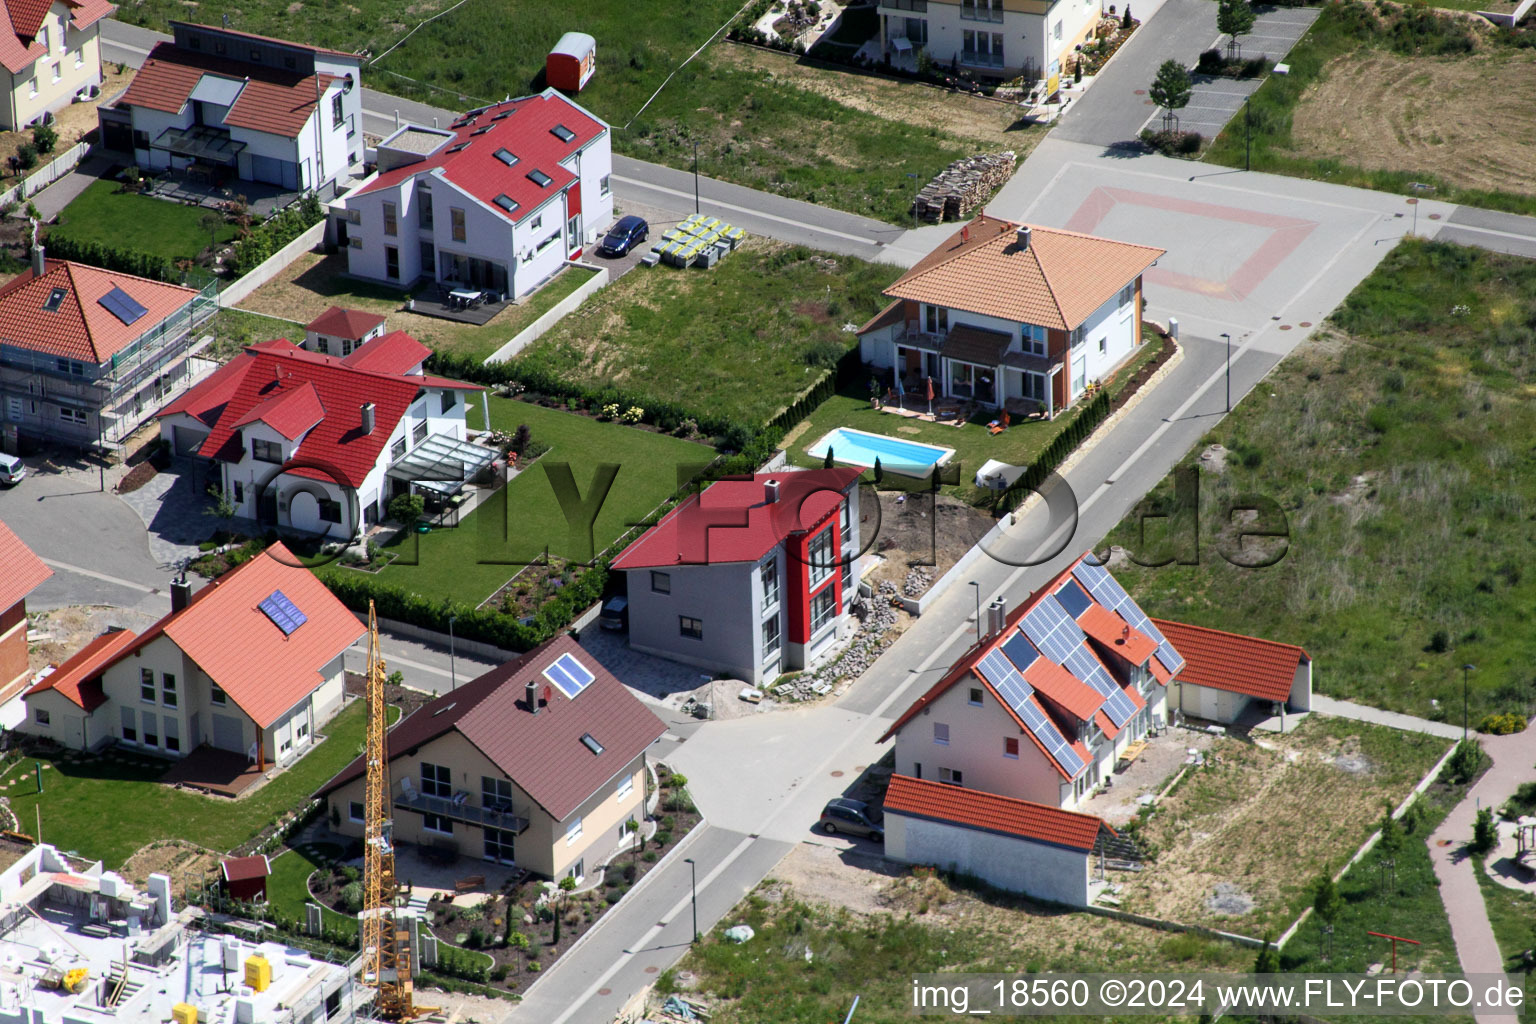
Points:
[(51, 200), (1391, 719)]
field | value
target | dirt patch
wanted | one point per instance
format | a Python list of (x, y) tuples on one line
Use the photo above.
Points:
[(188, 865), (920, 528), (834, 878), (1227, 900), (403, 697), (64, 631), (1471, 119)]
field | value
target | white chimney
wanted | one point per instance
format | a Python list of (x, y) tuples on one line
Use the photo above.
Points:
[(771, 491), (38, 263), (368, 417), (1023, 236)]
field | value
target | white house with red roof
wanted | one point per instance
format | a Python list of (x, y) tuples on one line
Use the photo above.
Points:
[(1226, 674), (1012, 315), (24, 573), (750, 577), (51, 52), (87, 355), (250, 665), (238, 106), (497, 201), (320, 443), (337, 331)]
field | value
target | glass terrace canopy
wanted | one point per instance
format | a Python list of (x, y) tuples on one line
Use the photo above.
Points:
[(200, 142), (441, 463)]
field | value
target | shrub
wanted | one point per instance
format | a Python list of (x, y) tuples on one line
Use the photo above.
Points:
[(351, 874), (649, 856), (45, 137), (1485, 833), (252, 250), (1173, 143), (613, 896), (1464, 764), (26, 156), (476, 938), (1502, 725), (517, 940), (350, 900), (501, 972), (1439, 641), (407, 508)]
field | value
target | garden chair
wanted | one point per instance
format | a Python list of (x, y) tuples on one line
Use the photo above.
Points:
[(998, 426)]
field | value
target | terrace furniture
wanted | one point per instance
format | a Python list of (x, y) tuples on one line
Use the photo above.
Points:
[(470, 883), (998, 426), (463, 297)]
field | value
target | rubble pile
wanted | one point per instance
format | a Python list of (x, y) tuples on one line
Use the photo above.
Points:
[(919, 579)]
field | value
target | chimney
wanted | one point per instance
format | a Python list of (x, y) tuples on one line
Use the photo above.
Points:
[(532, 691), (771, 491), (368, 417), (38, 263), (997, 616), (181, 592), (1023, 236)]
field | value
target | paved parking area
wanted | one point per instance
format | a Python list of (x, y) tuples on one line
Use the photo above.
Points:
[(658, 219), (1276, 30)]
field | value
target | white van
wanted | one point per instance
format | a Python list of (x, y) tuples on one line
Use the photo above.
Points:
[(11, 470)]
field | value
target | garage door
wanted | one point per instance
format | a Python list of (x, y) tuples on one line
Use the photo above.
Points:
[(228, 734), (274, 171), (187, 441)]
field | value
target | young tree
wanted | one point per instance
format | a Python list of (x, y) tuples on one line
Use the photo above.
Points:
[(1234, 18), (1125, 22), (1485, 834), (1268, 960), (1170, 90), (1327, 904), (1391, 842)]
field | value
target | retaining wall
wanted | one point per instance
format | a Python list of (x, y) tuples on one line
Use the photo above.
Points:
[(528, 335), (271, 266)]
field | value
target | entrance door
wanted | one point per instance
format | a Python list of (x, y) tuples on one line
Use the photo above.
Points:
[(228, 734)]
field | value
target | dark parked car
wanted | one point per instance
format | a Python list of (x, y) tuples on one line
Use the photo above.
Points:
[(625, 235), (854, 817), (615, 614)]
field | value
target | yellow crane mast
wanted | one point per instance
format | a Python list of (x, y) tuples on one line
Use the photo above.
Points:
[(386, 946)]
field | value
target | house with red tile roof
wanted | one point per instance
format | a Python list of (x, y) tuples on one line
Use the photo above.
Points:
[(87, 355), (24, 573), (251, 665), (1012, 315), (751, 577), (234, 106), (499, 200), (321, 444), (338, 331), (540, 762), (1039, 850), (1227, 673), (51, 52)]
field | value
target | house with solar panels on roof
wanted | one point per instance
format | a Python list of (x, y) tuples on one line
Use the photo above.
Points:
[(245, 672), (498, 201), (539, 763), (87, 355)]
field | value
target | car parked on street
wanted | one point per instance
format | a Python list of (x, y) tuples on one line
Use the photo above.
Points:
[(854, 818), (11, 470), (629, 232)]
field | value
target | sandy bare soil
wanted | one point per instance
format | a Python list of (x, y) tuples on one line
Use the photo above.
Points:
[(186, 863), (69, 629), (920, 528), (1470, 119)]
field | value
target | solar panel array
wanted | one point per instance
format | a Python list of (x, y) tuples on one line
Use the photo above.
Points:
[(1109, 593), (1012, 687), (1082, 664), (1005, 679), (285, 615), (122, 305), (1020, 651), (1051, 629), (569, 674)]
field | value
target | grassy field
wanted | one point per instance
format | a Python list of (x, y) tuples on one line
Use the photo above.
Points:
[(1511, 914), (1266, 820), (288, 884), (1356, 108), (127, 220), (744, 338), (233, 329), (313, 283), (1393, 447), (973, 444), (448, 563), (108, 807)]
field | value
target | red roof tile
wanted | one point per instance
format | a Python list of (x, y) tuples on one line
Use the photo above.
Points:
[(245, 869), (81, 328), (1110, 630), (344, 323), (243, 651), (394, 353), (24, 571), (1063, 689), (78, 679), (262, 372), (85, 13), (289, 411), (1230, 661), (988, 812), (272, 100), (19, 45), (543, 754), (526, 134), (732, 520)]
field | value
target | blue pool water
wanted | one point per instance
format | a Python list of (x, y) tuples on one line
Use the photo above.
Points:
[(859, 448)]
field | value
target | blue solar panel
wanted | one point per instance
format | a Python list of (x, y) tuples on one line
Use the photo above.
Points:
[(122, 305), (569, 674), (1020, 651), (1073, 599), (1052, 630), (1051, 738), (1005, 679), (1090, 670), (1109, 593), (284, 614)]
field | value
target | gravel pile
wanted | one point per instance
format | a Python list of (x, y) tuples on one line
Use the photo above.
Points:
[(876, 618), (918, 580)]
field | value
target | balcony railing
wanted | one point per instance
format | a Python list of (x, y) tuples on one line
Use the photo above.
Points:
[(459, 808), (980, 12), (915, 6), (981, 59)]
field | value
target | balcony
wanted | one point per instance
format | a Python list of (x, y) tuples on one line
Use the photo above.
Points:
[(980, 11), (459, 808), (981, 59), (915, 6)]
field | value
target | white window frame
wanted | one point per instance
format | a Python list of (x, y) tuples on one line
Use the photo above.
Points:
[(40, 716), (977, 697), (772, 643), (1015, 741), (1034, 339), (430, 787), (823, 607), (427, 818), (821, 556), (573, 831), (626, 787), (768, 575), (952, 776), (168, 695)]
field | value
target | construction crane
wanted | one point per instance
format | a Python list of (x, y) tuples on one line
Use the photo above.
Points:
[(386, 946)]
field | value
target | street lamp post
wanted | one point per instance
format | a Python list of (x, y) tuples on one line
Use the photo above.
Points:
[(695, 176), (453, 673), (693, 870), (1229, 371), (977, 587), (1464, 670), (915, 179), (1247, 135)]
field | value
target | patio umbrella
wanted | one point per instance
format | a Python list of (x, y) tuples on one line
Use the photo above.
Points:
[(901, 392), (930, 396)]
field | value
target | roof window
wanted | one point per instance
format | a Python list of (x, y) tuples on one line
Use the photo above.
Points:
[(506, 157), (562, 133), (591, 743), (539, 178), (55, 299), (506, 202)]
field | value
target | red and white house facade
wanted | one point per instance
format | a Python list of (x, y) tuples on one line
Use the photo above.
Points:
[(751, 577), (500, 200)]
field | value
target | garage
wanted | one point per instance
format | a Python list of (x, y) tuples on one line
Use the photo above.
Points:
[(228, 733), (186, 440), (274, 171), (1034, 849), (1228, 675)]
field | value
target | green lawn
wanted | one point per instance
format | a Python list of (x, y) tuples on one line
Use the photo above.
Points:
[(288, 884), (743, 339), (106, 808), (233, 329), (127, 220), (1394, 446), (452, 562), (1511, 914)]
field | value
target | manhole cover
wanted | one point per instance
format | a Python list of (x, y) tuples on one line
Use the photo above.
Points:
[(1285, 327), (860, 767), (652, 970), (1306, 323), (1141, 92), (605, 991), (1434, 216), (837, 775)]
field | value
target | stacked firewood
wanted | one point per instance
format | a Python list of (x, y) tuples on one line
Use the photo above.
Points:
[(963, 186)]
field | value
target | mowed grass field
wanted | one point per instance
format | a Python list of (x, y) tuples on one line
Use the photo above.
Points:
[(1396, 445), (127, 220)]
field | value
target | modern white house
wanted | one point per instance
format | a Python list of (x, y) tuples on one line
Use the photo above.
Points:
[(50, 51), (1012, 316), (751, 577), (1001, 39), (498, 201), (229, 106), (321, 444), (250, 665)]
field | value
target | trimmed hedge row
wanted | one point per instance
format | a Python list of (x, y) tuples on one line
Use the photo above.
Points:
[(1088, 418), (108, 257)]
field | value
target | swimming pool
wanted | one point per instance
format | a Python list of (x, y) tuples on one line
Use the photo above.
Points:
[(861, 448)]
